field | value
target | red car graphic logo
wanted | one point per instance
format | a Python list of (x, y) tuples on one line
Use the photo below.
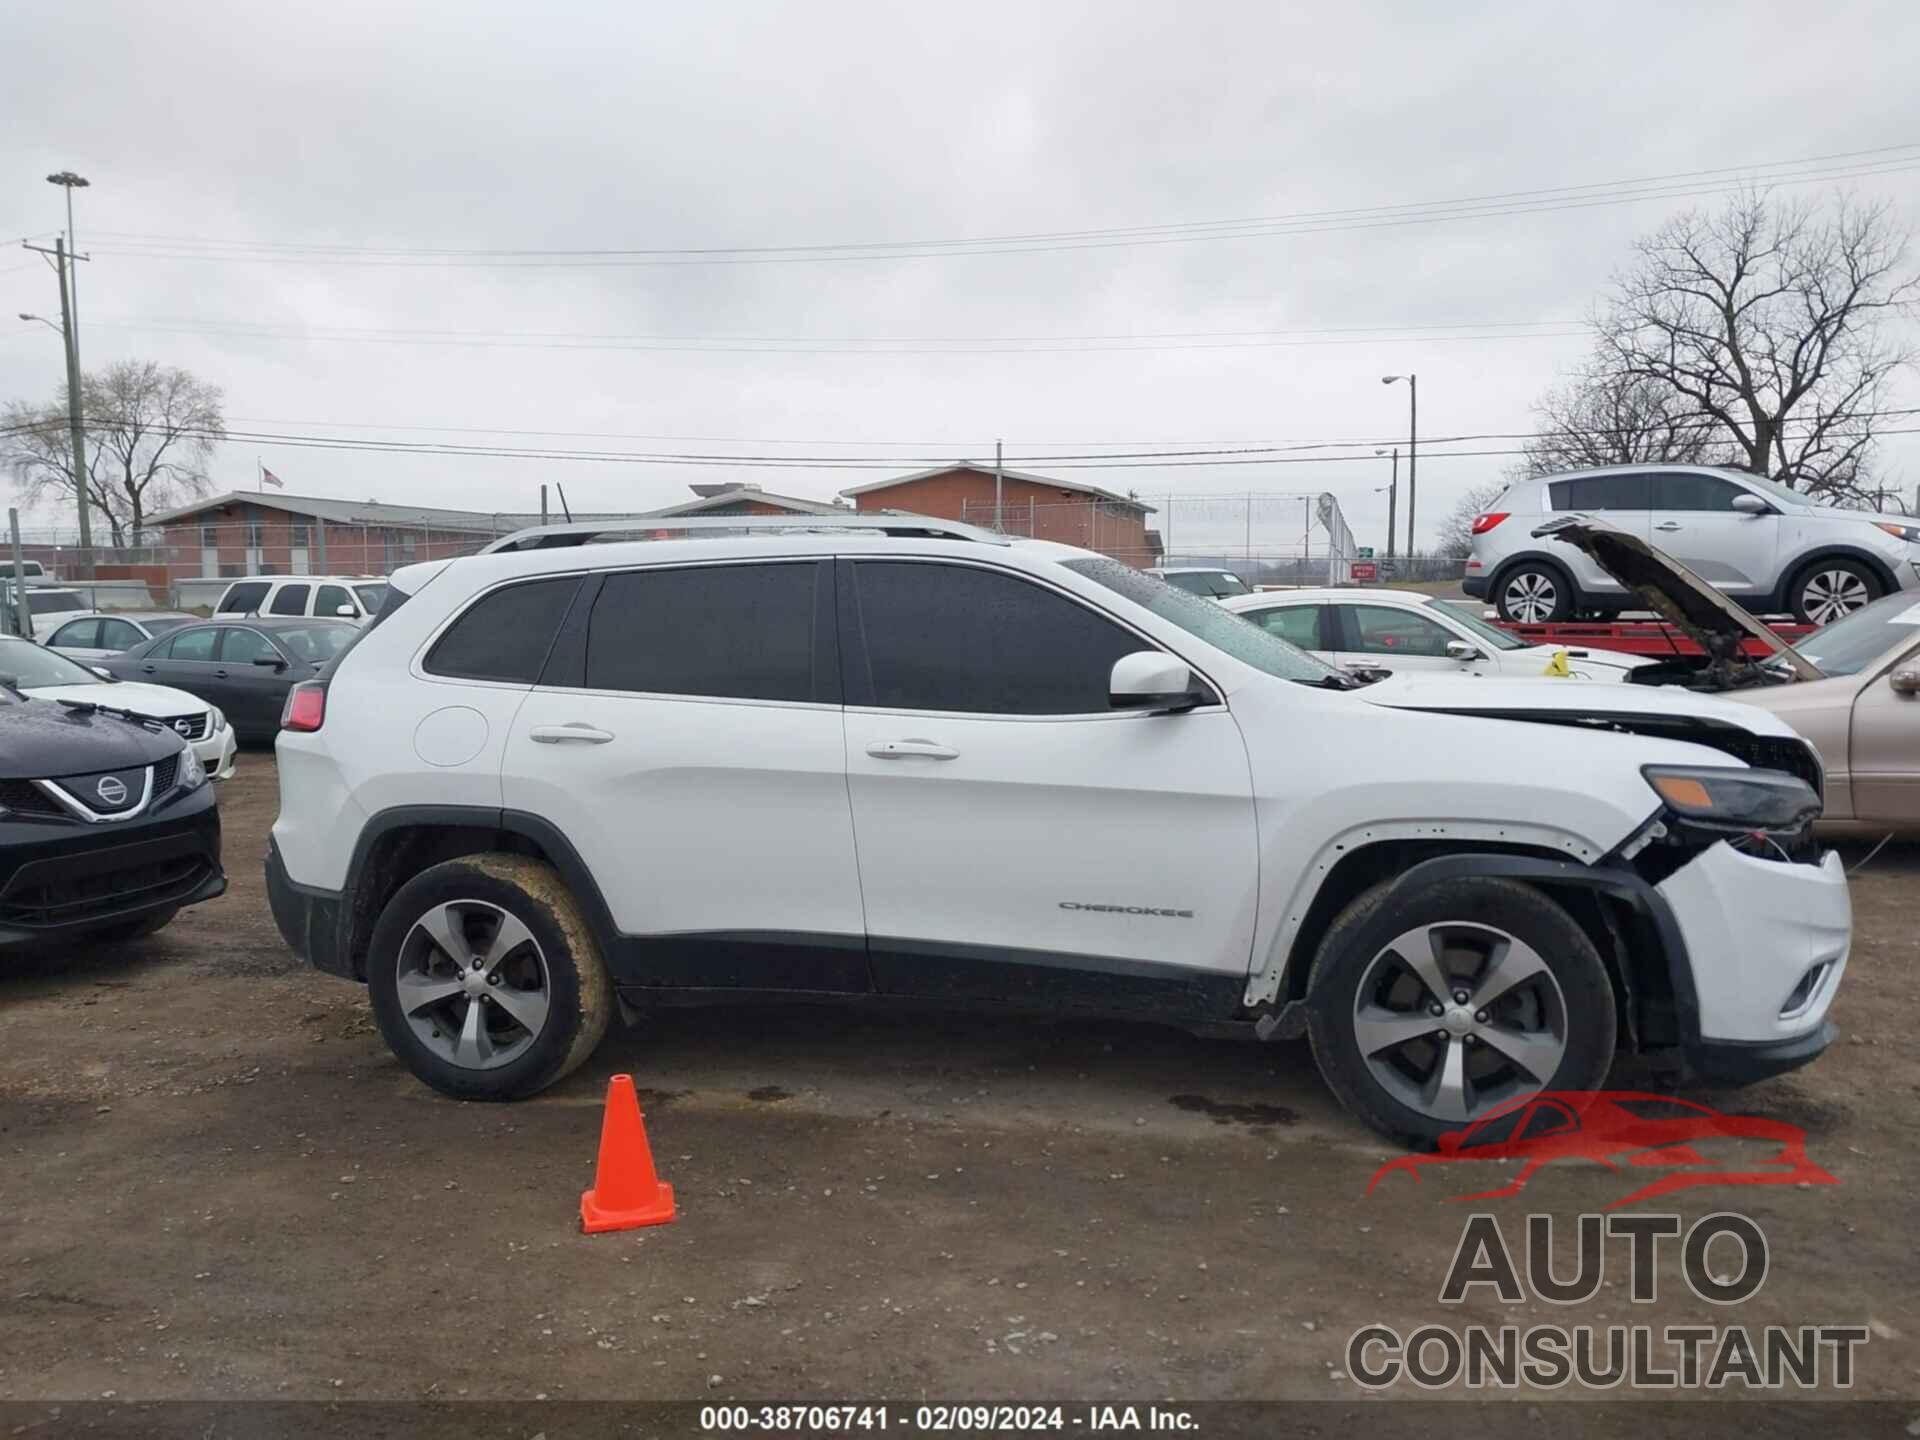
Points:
[(1691, 1144)]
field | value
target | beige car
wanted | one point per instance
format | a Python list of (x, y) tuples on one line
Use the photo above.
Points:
[(1852, 687), (1864, 716)]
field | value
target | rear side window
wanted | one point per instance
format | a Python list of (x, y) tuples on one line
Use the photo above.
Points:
[(738, 631), (953, 637), (243, 647), (1296, 624), (505, 634), (1683, 490), (290, 600), (189, 645), (243, 599), (1628, 491)]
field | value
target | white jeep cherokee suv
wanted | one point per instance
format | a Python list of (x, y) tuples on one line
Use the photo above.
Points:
[(893, 757)]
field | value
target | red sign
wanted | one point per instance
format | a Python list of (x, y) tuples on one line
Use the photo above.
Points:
[(1365, 570)]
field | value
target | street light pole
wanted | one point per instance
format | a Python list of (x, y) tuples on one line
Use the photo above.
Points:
[(76, 423), (1413, 445), (1393, 497), (70, 182)]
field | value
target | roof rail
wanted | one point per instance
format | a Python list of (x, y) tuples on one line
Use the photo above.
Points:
[(641, 527)]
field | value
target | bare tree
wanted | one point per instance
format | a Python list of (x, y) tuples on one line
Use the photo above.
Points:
[(151, 429), (1766, 319), (1602, 417), (1456, 531)]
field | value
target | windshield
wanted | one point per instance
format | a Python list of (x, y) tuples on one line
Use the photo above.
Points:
[(1491, 634), (372, 597), (1846, 647), (1239, 637), (28, 665), (1773, 489), (315, 644), (1217, 583), (46, 602)]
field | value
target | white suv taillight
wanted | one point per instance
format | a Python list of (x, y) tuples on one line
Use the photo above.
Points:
[(1483, 523), (306, 707)]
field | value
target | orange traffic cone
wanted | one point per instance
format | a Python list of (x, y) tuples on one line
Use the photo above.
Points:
[(626, 1194)]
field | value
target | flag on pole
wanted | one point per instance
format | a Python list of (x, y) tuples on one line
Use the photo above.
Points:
[(272, 479)]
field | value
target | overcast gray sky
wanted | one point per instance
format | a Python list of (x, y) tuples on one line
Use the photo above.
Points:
[(232, 128)]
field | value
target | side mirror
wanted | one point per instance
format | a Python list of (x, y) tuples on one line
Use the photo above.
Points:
[(103, 673), (346, 612), (1905, 682), (272, 661), (1464, 651), (1752, 505), (1151, 680)]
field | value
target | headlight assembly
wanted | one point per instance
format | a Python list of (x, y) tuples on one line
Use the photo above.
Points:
[(192, 774), (1734, 799), (1908, 533)]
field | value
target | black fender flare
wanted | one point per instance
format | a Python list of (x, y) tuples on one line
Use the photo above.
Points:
[(1613, 880), (1877, 564), (500, 822)]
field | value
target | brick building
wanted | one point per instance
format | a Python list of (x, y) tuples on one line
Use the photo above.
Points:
[(1042, 507), (279, 534)]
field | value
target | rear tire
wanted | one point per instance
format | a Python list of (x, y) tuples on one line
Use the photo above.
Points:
[(1829, 590), (485, 978), (1533, 593), (1538, 1012)]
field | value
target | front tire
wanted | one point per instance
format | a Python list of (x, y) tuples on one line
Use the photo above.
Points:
[(1432, 1008), (485, 978), (1829, 590), (1534, 594)]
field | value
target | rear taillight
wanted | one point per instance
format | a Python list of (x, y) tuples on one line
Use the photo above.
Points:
[(306, 707), (1486, 522)]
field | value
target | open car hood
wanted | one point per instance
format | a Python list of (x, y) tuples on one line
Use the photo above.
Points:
[(1674, 593)]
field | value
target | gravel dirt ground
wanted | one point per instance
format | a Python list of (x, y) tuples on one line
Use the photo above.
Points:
[(219, 1185)]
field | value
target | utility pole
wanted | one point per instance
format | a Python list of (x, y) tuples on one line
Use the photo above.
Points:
[(22, 615), (999, 488), (1393, 497), (1413, 445), (76, 423), (70, 182)]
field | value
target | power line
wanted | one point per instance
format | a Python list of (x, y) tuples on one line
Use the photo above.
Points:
[(854, 345), (1896, 159)]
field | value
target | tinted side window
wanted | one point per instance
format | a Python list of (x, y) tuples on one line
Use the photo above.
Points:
[(331, 598), (81, 634), (243, 599), (504, 635), (952, 637), (1600, 492), (242, 647), (118, 635), (740, 631), (290, 600), (1679, 490), (189, 645), (1298, 624), (1383, 630)]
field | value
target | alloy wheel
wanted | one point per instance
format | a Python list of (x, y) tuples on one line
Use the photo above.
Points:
[(1830, 594), (473, 984), (1530, 597), (1456, 1018)]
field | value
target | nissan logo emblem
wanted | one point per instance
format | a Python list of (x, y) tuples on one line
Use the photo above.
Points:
[(111, 789), (184, 725)]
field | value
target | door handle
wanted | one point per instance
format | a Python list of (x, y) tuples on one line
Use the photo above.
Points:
[(572, 731), (1667, 525), (148, 669), (900, 749), (219, 674)]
